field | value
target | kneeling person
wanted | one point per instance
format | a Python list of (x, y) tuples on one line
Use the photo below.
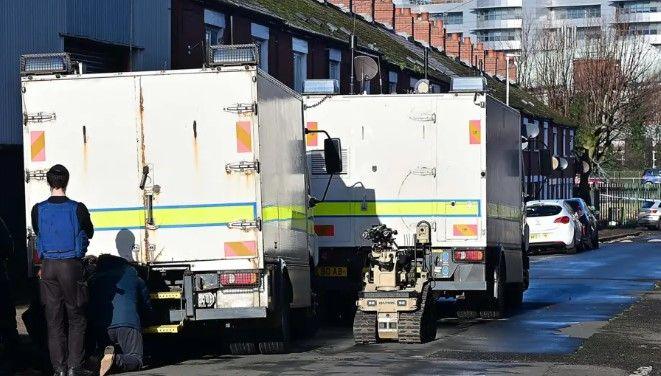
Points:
[(117, 297)]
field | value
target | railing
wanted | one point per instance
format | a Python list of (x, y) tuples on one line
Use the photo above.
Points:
[(619, 201)]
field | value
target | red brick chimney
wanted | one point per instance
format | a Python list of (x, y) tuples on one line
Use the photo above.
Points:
[(364, 8), (490, 62), (478, 56), (501, 70), (422, 28), (438, 35), (452, 45), (466, 50), (344, 4), (384, 12), (404, 21)]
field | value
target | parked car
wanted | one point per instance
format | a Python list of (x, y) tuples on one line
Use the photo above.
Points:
[(553, 224), (650, 214), (651, 176), (588, 220)]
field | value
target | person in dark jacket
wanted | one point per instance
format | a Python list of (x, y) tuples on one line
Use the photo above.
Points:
[(119, 297), (8, 332), (63, 228)]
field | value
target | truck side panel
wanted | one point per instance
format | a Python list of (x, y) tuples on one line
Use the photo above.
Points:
[(503, 174), (283, 188)]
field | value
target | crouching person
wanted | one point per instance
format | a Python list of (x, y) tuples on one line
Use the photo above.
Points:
[(118, 296)]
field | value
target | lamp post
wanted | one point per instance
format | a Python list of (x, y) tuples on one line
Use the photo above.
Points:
[(507, 74)]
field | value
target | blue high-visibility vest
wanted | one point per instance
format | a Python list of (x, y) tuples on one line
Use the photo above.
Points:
[(60, 235)]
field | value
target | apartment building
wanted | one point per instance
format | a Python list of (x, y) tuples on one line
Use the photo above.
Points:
[(500, 24)]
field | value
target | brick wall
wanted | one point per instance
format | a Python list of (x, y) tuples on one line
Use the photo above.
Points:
[(422, 28), (384, 12), (452, 43), (438, 34), (404, 21), (364, 8), (466, 50), (478, 56)]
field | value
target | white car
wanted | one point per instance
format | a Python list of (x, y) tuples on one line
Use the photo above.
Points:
[(553, 224), (650, 214)]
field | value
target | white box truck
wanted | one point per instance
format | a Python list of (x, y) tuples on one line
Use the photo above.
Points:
[(198, 176), (429, 204)]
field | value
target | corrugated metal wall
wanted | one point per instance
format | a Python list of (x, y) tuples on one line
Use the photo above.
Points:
[(32, 26)]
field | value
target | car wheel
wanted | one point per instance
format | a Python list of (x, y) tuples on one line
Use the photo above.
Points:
[(595, 240)]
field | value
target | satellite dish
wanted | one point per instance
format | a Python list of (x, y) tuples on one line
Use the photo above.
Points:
[(555, 163), (585, 166), (532, 130), (422, 86), (366, 68), (563, 163)]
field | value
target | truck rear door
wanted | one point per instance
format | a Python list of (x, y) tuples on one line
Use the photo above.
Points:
[(87, 125), (198, 138)]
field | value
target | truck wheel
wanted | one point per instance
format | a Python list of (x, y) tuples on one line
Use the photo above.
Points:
[(306, 320), (242, 348), (280, 335), (514, 295), (494, 305)]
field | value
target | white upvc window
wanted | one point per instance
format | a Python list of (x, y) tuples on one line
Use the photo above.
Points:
[(392, 82), (260, 36), (571, 140), (214, 27), (546, 133), (555, 141), (334, 62), (564, 142), (412, 82), (300, 51)]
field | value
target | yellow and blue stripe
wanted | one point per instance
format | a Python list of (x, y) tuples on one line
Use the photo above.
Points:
[(398, 208), (173, 216)]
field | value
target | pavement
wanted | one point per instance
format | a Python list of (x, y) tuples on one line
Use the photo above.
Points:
[(591, 313)]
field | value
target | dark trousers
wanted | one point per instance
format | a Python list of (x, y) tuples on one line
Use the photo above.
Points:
[(8, 332), (63, 290), (129, 343)]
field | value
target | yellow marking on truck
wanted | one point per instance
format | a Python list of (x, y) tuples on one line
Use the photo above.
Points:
[(243, 137), (294, 214), (165, 295), (162, 329), (422, 208), (172, 216), (240, 249), (38, 146)]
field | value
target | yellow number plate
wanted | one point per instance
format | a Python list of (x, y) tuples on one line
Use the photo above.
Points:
[(538, 236), (331, 271)]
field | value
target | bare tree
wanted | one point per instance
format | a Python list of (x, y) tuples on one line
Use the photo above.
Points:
[(605, 79)]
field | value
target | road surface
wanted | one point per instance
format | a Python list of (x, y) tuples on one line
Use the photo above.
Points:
[(571, 297)]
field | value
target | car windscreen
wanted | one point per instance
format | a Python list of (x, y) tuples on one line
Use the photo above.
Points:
[(647, 204), (543, 210)]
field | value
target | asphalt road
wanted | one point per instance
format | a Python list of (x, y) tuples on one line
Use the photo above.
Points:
[(571, 297)]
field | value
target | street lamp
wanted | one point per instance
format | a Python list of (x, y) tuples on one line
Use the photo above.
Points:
[(507, 74)]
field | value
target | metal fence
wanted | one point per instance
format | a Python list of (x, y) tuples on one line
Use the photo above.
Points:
[(619, 201)]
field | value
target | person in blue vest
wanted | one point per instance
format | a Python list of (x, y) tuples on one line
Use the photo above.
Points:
[(119, 305), (63, 228)]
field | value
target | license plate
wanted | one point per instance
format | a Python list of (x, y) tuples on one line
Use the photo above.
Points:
[(538, 236), (331, 271)]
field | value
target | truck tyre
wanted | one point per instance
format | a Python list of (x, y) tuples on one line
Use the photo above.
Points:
[(280, 336), (242, 348), (514, 296), (306, 320), (494, 303)]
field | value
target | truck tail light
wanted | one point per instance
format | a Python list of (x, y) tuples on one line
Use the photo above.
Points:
[(564, 220), (239, 279), (469, 255), (654, 211)]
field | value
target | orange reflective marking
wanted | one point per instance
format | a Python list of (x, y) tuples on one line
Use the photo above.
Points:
[(240, 249), (243, 137)]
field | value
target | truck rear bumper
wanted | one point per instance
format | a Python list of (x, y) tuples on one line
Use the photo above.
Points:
[(465, 277), (178, 315)]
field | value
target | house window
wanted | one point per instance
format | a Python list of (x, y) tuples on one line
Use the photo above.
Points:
[(300, 50), (214, 27), (392, 82), (260, 36), (334, 61), (555, 141), (564, 142), (571, 140), (412, 82), (546, 134)]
